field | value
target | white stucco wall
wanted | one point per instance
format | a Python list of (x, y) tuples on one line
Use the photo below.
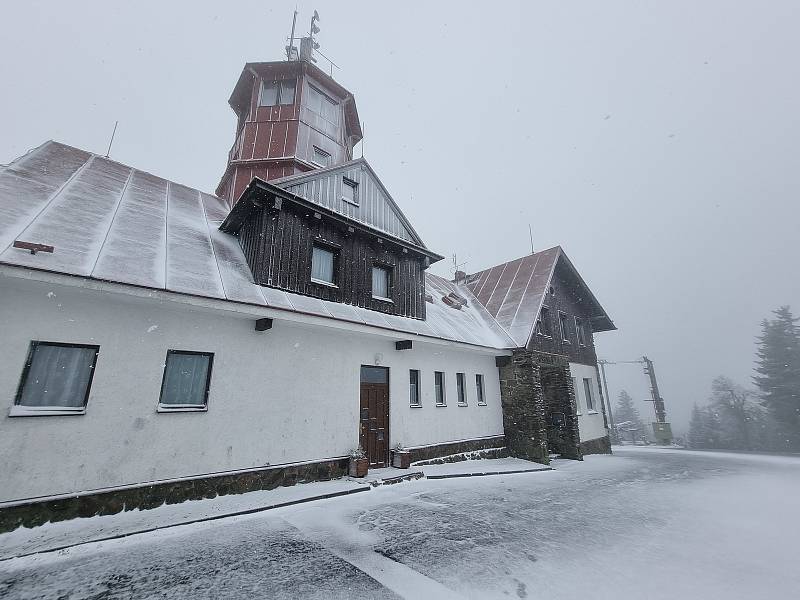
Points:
[(286, 395), (590, 423)]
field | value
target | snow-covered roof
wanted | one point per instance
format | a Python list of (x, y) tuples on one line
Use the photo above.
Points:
[(513, 292), (111, 222)]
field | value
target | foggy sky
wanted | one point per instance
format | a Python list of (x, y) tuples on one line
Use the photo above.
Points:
[(654, 141)]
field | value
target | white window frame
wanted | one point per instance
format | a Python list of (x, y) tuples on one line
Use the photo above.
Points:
[(443, 388), (332, 251), (278, 92), (480, 389), (461, 390), (578, 408), (418, 403), (590, 404), (388, 273), (540, 323)]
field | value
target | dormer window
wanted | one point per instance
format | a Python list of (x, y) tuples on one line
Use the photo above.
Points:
[(274, 93), (322, 265), (321, 158), (380, 283), (349, 191)]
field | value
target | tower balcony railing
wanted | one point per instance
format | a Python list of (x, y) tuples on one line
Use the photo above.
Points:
[(236, 150)]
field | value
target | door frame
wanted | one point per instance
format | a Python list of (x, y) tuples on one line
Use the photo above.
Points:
[(388, 457)]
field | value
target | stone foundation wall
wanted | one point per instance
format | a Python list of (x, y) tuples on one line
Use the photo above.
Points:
[(597, 446), (151, 496), (563, 437), (524, 421), (426, 453)]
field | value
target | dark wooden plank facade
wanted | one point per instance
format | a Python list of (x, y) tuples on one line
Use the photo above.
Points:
[(278, 244)]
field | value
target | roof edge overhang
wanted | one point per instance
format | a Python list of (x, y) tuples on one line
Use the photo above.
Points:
[(600, 319), (259, 193)]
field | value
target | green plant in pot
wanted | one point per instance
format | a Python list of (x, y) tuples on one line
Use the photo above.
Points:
[(359, 463)]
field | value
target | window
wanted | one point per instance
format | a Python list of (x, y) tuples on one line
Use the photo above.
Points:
[(587, 388), (462, 391), (543, 322), (349, 191), (577, 395), (321, 157), (579, 330), (413, 387), (479, 389), (187, 377), (56, 379), (277, 92), (322, 265), (563, 327), (438, 383), (380, 283), (322, 104)]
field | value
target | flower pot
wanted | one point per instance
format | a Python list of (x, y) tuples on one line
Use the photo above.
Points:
[(401, 459), (359, 467)]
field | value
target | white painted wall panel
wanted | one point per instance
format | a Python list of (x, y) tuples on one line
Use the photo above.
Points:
[(590, 423), (286, 395)]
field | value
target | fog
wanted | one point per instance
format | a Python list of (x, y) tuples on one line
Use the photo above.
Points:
[(655, 142)]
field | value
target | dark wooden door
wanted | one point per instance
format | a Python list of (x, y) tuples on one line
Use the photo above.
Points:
[(374, 416)]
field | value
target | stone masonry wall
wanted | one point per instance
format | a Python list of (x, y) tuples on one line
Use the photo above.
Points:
[(524, 422), (563, 436)]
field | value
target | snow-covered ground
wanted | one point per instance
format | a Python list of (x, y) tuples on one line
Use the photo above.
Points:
[(641, 524)]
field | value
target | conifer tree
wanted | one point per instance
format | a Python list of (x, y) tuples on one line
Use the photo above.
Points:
[(778, 375), (627, 418)]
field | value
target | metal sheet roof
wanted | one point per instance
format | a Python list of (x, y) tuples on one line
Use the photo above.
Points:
[(111, 222), (513, 292)]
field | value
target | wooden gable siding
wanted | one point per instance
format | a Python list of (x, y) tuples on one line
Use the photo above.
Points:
[(278, 247), (374, 207), (566, 299)]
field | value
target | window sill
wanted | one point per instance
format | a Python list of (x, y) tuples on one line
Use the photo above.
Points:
[(44, 411), (463, 404), (350, 202), (441, 405), (592, 412), (382, 299), (162, 408), (325, 283), (482, 404), (415, 405)]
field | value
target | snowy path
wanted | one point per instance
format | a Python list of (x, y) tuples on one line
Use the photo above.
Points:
[(643, 523)]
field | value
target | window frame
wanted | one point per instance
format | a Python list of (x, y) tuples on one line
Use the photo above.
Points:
[(324, 98), (442, 386), (165, 408), (20, 410), (578, 407), (480, 389), (334, 251), (278, 92), (389, 272), (580, 332), (563, 321), (587, 388), (346, 181), (317, 150), (540, 322), (461, 389), (411, 403)]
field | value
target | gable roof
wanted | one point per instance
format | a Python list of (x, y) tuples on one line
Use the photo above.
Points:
[(110, 222), (376, 207), (513, 292)]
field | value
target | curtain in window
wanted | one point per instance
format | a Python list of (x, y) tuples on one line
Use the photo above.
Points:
[(185, 379), (380, 282), (322, 264), (287, 91), (58, 376)]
